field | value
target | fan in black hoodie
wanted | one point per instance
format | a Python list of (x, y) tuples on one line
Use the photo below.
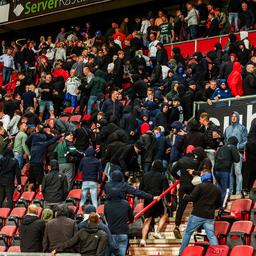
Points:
[(9, 169), (31, 231)]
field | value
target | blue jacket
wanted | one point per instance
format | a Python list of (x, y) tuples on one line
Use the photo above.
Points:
[(239, 131), (222, 94), (90, 166), (39, 143)]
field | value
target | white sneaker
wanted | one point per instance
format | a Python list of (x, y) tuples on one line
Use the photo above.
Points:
[(143, 242), (157, 235)]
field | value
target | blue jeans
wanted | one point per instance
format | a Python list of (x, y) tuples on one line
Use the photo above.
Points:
[(237, 170), (19, 158), (165, 39), (233, 16), (93, 188), (122, 243), (72, 99), (194, 223), (192, 31), (7, 72), (223, 179), (91, 101)]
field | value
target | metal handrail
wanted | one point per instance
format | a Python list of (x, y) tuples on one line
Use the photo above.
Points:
[(168, 190)]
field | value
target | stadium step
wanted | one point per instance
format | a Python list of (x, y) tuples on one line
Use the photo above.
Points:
[(154, 250)]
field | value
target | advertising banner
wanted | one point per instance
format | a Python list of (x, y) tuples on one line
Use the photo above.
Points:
[(23, 9), (221, 111)]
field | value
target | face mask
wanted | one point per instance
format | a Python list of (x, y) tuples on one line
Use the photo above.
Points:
[(157, 135)]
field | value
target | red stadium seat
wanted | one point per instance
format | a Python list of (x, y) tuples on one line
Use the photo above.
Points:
[(18, 212), (217, 250), (73, 207), (221, 229), (4, 213), (139, 207), (2, 248), (76, 118), (100, 209), (16, 196), (240, 209), (240, 233), (242, 250), (14, 249), (8, 233), (64, 118), (68, 110), (193, 251), (28, 196), (75, 193)]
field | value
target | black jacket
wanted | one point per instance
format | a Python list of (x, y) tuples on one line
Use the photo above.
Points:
[(55, 186), (206, 198), (214, 28), (186, 162), (249, 84), (118, 214), (161, 57), (9, 169), (227, 155), (31, 234), (154, 182), (210, 141), (91, 240)]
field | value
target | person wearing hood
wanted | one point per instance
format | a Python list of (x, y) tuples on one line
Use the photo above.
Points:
[(222, 92), (92, 173), (31, 231), (97, 87), (206, 198), (226, 67), (155, 183), (161, 55), (175, 138), (190, 161), (240, 132), (180, 75), (225, 157), (117, 183), (243, 54), (9, 169), (118, 214), (129, 123), (193, 137), (249, 82), (54, 185), (38, 143), (162, 117), (250, 154), (235, 80)]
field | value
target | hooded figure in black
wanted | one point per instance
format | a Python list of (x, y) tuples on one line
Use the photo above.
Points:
[(250, 167), (188, 162), (55, 185), (129, 123), (155, 183), (226, 67), (200, 72), (9, 169)]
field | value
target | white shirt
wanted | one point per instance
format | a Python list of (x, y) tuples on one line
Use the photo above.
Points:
[(5, 120), (165, 71), (7, 60), (144, 26), (152, 48), (72, 84)]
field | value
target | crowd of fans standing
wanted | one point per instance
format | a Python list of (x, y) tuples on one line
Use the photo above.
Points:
[(136, 106)]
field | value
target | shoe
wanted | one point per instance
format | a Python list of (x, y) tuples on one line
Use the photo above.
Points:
[(157, 235), (143, 243), (177, 233)]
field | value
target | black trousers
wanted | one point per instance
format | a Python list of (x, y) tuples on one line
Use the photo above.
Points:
[(6, 191)]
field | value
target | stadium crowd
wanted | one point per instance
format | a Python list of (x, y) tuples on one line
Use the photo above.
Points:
[(116, 103)]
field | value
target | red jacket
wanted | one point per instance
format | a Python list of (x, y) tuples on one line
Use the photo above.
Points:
[(235, 81)]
